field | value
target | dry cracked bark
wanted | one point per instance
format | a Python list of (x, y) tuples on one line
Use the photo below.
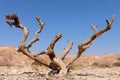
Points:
[(54, 62)]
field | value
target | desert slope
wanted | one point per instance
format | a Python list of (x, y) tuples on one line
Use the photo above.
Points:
[(10, 57), (17, 66)]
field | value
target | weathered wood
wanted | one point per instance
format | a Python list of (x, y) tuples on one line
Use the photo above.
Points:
[(22, 47), (66, 50), (82, 46), (37, 32), (50, 49), (52, 61)]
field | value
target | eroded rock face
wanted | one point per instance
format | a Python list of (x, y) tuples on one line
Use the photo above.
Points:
[(10, 57)]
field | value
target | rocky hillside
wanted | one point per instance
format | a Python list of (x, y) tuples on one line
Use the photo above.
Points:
[(17, 66), (10, 57)]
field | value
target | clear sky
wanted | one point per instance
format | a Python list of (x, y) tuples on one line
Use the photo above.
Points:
[(69, 17)]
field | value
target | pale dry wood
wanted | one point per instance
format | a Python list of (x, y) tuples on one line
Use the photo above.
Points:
[(59, 62), (50, 49), (22, 47), (88, 42), (94, 28), (36, 33), (39, 58), (54, 62), (66, 50)]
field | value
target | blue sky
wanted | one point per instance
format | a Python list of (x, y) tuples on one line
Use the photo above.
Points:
[(69, 17)]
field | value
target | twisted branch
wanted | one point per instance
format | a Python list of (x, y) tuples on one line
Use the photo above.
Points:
[(17, 23), (66, 50), (37, 32), (82, 46), (22, 47), (50, 49), (55, 63)]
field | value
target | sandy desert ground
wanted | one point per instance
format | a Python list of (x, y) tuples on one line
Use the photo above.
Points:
[(90, 73), (16, 66)]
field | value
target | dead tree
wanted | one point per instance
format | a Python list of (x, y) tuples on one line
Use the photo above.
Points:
[(55, 63)]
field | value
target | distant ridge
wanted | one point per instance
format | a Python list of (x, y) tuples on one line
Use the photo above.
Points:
[(10, 57)]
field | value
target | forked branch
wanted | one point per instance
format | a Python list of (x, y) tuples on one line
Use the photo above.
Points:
[(22, 47), (66, 50), (17, 23), (54, 62), (94, 28), (50, 49), (82, 46), (37, 32)]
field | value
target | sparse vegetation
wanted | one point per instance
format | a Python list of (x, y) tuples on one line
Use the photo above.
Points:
[(101, 65), (104, 65), (81, 69), (117, 64), (35, 65), (76, 66), (95, 64), (118, 58)]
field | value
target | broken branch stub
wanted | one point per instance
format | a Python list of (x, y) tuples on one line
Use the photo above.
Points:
[(15, 18), (94, 28)]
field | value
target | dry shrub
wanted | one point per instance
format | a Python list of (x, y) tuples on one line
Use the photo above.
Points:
[(101, 65), (95, 64), (116, 64), (36, 66), (118, 58), (104, 65), (77, 65)]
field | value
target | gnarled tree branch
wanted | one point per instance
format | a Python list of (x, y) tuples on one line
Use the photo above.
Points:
[(66, 50), (52, 61), (94, 28), (37, 32), (50, 49), (88, 42), (18, 25), (22, 47)]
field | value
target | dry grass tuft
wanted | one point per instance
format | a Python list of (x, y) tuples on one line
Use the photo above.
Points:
[(101, 65), (35, 66), (118, 58), (116, 64)]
